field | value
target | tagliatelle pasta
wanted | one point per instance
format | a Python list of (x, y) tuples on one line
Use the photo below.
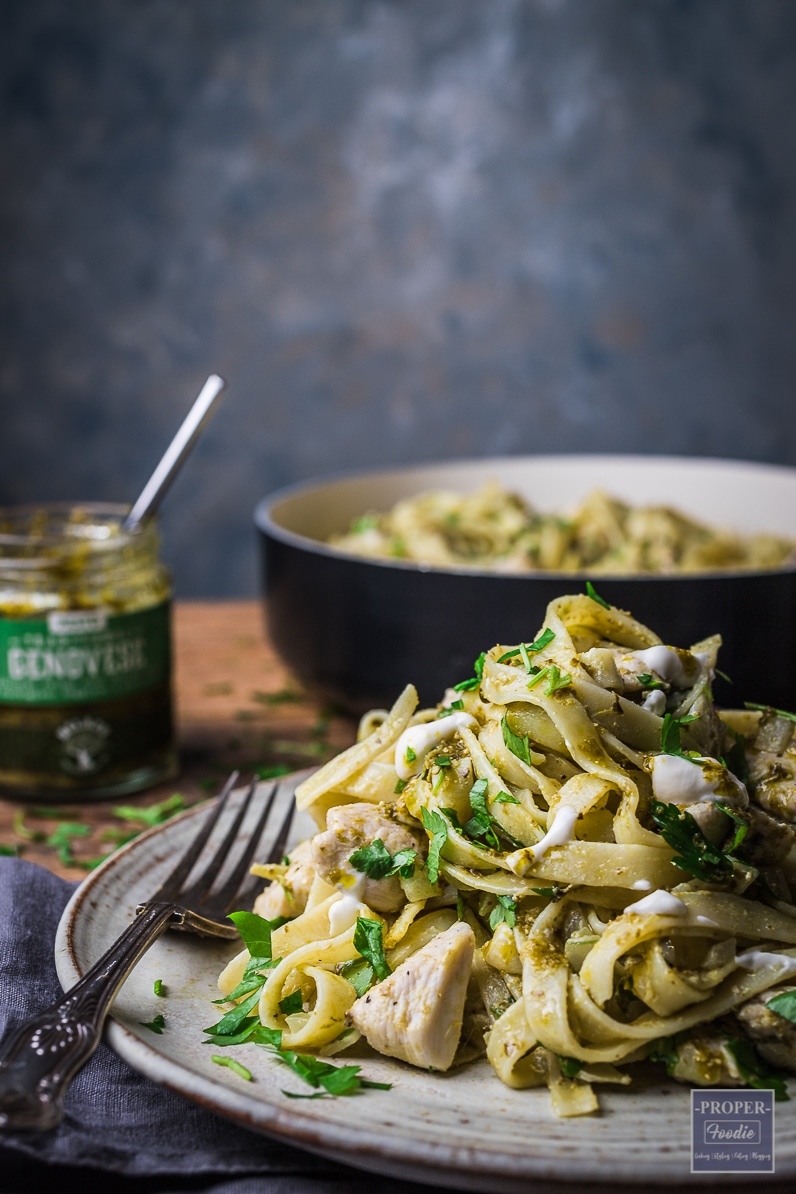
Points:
[(573, 865), (498, 530)]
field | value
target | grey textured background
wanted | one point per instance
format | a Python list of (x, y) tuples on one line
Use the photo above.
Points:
[(402, 229)]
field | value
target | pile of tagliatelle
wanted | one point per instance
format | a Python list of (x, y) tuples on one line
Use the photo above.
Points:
[(497, 530), (573, 864)]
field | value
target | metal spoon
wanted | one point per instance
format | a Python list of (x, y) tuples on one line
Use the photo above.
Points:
[(153, 492)]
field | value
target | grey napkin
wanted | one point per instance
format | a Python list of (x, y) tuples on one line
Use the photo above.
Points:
[(116, 1120)]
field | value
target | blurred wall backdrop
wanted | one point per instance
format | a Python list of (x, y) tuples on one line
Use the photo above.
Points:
[(402, 229)]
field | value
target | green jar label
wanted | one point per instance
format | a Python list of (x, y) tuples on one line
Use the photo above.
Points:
[(73, 656)]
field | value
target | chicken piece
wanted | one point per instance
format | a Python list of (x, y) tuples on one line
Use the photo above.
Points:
[(349, 827), (287, 897), (773, 1035), (704, 1059), (416, 1014), (768, 841)]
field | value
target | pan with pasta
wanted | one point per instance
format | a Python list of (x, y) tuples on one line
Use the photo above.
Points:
[(575, 865)]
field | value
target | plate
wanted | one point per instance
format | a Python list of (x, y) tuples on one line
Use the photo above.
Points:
[(464, 1129)]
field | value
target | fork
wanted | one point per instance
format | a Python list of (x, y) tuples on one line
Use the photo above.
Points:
[(39, 1058)]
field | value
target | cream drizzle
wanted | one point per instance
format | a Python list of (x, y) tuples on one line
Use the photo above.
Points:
[(420, 739)]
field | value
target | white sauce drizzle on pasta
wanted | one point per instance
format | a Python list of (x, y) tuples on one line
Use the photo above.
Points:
[(676, 780), (417, 741)]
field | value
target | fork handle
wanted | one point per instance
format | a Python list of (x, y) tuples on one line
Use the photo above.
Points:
[(39, 1058)]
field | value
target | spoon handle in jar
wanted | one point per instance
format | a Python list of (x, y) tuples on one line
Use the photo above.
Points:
[(153, 492)]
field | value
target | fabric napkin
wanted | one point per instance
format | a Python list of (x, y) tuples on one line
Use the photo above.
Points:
[(116, 1120)]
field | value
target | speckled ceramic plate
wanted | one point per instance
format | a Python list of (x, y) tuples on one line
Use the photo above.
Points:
[(464, 1129)]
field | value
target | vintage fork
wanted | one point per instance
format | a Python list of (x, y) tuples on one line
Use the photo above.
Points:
[(39, 1058)]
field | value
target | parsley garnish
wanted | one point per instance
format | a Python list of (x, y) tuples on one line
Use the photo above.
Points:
[(410, 755), (157, 1025), (647, 680), (292, 1003), (454, 706), (436, 825), (251, 1032), (590, 592), (359, 973), (504, 911), (769, 709), (474, 681), (62, 837), (376, 862), (742, 825), (517, 744), (694, 853), (784, 1005), (670, 734), (399, 786), (233, 1065), (482, 824), (524, 649), (555, 679), (505, 798), (155, 814), (334, 1080), (368, 942), (570, 1067)]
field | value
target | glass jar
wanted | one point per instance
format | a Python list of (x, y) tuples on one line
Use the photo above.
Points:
[(85, 654)]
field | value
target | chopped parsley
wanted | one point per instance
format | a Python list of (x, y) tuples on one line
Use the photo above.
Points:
[(505, 911), (554, 676), (647, 680), (525, 649), (410, 755), (436, 825), (694, 853), (376, 862), (325, 1078), (505, 798), (482, 824), (369, 942), (233, 1065), (400, 784), (359, 973), (670, 734), (517, 743), (784, 1005), (292, 1003), (62, 838), (570, 1066), (155, 814), (157, 1025), (741, 825), (474, 681), (595, 596)]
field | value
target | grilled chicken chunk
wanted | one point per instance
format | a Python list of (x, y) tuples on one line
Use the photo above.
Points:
[(349, 827), (774, 1036), (416, 1014)]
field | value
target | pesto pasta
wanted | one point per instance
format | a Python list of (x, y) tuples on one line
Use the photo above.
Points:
[(573, 865), (498, 530)]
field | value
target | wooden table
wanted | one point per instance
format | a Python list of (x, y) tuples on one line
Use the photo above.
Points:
[(236, 708)]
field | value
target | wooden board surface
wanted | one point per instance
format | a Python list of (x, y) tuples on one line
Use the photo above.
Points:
[(236, 708)]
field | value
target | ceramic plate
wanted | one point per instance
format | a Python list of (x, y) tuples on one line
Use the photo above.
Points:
[(464, 1129)]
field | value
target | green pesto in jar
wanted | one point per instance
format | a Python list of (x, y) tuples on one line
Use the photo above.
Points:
[(85, 654)]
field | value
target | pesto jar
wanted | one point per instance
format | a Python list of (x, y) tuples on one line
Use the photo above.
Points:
[(85, 654)]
